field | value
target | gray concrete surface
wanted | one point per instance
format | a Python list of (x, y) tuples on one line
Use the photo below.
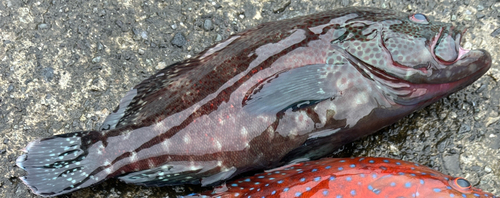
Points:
[(66, 63)]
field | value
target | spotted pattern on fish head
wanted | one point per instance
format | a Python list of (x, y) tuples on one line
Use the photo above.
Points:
[(353, 177), (408, 55)]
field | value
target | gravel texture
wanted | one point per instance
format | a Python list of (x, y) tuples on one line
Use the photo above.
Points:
[(66, 63)]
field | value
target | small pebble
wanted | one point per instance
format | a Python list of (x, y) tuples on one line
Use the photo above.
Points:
[(119, 23), (96, 59), (219, 38), (480, 7), (495, 32), (100, 46), (144, 35), (207, 25), (43, 26), (179, 40), (48, 74)]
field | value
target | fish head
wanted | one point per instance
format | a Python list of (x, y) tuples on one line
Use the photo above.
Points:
[(462, 187), (413, 59), (450, 187), (411, 179)]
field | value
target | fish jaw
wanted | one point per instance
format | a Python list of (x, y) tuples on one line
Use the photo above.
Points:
[(477, 62)]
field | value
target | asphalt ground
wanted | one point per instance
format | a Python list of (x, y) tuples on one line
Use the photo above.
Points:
[(65, 64)]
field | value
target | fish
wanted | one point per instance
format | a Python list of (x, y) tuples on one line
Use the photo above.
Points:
[(280, 92), (349, 177)]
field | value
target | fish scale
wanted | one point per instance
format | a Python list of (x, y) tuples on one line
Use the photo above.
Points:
[(349, 177), (279, 92)]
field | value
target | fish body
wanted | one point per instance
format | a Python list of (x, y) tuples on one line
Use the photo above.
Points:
[(282, 91), (350, 177)]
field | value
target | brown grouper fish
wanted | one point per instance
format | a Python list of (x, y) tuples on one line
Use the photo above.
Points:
[(277, 93), (355, 177)]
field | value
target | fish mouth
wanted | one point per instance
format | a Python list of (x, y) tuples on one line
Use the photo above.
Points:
[(445, 49), (452, 62)]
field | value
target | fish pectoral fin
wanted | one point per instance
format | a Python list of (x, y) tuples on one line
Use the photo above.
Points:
[(293, 89), (221, 176)]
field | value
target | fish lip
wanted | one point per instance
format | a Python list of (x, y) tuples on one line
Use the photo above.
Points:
[(481, 58), (458, 40)]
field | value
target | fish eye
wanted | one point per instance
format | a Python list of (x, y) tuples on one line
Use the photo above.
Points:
[(419, 18), (461, 185)]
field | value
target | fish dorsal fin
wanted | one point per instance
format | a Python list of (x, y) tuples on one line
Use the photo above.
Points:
[(139, 103)]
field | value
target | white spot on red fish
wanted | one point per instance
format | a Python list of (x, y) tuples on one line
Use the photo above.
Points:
[(271, 133), (263, 118), (100, 149), (126, 135), (221, 121), (151, 163), (187, 139), (361, 98), (244, 131), (218, 145), (159, 127), (165, 144), (133, 157), (108, 170)]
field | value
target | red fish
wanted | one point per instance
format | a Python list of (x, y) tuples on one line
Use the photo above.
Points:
[(351, 177)]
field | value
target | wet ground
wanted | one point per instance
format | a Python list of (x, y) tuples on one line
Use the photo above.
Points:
[(65, 65)]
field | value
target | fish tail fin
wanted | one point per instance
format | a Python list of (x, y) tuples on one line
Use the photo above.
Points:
[(61, 163)]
